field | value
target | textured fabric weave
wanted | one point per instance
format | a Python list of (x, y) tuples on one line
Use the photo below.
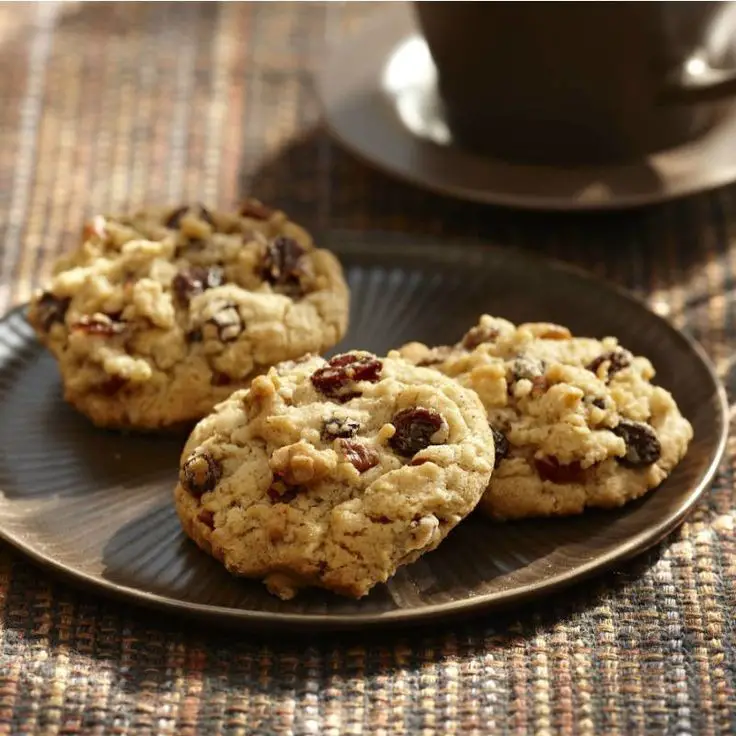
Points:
[(108, 106)]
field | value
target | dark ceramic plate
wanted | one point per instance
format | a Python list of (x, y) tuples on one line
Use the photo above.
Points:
[(96, 505)]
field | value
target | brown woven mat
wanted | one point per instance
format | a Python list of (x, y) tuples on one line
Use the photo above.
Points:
[(108, 106)]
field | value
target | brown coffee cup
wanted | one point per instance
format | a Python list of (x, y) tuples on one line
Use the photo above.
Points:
[(580, 82)]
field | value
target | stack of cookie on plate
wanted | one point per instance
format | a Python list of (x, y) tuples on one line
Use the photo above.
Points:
[(303, 471)]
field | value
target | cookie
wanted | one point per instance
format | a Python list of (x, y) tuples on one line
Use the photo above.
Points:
[(577, 421), (159, 316), (333, 474)]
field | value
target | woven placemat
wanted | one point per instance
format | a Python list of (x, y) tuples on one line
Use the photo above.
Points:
[(112, 105)]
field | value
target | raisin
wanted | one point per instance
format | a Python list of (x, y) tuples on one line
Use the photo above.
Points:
[(188, 283), (642, 445), (502, 446), (414, 430), (51, 309), (380, 519), (335, 379), (99, 324), (617, 360), (549, 468), (281, 492), (229, 324), (339, 427), (192, 281), (282, 263), (478, 335), (363, 458), (207, 518), (220, 379), (111, 386), (200, 473), (255, 210), (173, 221)]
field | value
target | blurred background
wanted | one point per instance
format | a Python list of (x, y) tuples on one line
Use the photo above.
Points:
[(107, 106)]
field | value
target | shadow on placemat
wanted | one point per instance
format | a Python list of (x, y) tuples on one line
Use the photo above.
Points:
[(663, 247)]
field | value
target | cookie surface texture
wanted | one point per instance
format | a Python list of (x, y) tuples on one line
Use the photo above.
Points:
[(578, 422), (333, 474), (159, 316)]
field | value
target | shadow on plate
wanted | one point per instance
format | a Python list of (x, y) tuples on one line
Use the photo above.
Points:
[(49, 450), (151, 553)]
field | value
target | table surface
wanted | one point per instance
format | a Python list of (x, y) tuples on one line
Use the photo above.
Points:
[(109, 106)]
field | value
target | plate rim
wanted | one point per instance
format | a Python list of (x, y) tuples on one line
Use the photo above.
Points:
[(420, 245), (396, 26)]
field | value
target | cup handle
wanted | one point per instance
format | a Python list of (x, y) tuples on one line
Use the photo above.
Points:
[(697, 82)]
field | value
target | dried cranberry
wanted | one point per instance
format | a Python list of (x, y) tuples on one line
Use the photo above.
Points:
[(335, 380), (617, 360), (51, 309), (207, 518), (174, 219), (255, 210), (642, 444), (192, 281), (362, 457), (478, 335), (549, 468), (200, 473), (502, 446), (414, 430), (99, 324), (339, 427), (282, 263), (229, 324)]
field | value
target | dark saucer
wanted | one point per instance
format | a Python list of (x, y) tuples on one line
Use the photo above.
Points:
[(379, 98)]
